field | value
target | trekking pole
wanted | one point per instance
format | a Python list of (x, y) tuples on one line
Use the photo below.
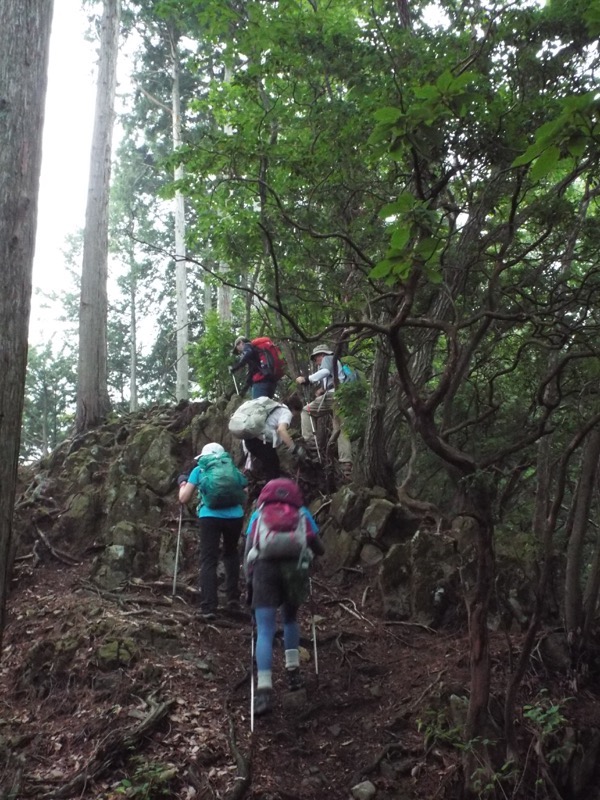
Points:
[(312, 424), (252, 677), (177, 549), (237, 391), (314, 629)]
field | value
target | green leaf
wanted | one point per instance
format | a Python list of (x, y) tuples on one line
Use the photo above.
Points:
[(576, 145), (427, 247), (405, 203), (545, 163), (381, 270), (400, 238), (387, 114), (427, 92)]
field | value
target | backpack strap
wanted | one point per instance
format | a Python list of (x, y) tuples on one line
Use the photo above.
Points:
[(274, 436)]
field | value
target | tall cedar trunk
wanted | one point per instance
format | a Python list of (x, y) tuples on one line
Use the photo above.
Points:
[(183, 371), (24, 44), (224, 291), (581, 507), (92, 391), (133, 395), (376, 469)]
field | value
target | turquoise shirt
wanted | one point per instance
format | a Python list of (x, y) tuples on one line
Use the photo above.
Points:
[(303, 510), (233, 512)]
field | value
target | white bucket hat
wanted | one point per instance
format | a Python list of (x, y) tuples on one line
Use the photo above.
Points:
[(211, 449)]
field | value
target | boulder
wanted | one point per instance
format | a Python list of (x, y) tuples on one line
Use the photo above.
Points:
[(348, 507)]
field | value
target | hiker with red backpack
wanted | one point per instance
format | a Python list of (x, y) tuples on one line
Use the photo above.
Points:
[(281, 542), (222, 496), (265, 362)]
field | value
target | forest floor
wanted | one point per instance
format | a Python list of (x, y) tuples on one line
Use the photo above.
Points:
[(167, 713)]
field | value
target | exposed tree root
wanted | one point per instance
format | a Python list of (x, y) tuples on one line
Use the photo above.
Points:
[(112, 748), (59, 555), (243, 764)]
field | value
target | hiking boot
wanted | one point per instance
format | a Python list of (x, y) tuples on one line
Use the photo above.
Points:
[(234, 610), (294, 679), (207, 615), (263, 702)]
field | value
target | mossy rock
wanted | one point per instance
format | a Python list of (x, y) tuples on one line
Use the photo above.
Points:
[(116, 653)]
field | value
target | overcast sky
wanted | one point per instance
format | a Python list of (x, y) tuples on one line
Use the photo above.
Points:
[(65, 157)]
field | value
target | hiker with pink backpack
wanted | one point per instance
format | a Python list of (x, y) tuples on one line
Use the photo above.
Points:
[(281, 542)]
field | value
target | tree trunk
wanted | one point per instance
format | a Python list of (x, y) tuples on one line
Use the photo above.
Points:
[(478, 607), (376, 469), (582, 502), (183, 371), (133, 395), (93, 402), (24, 44)]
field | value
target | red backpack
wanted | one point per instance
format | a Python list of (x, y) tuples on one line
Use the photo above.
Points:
[(270, 358)]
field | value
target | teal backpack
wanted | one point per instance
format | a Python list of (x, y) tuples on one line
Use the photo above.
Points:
[(350, 375), (221, 483)]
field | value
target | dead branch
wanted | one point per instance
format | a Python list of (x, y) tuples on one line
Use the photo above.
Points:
[(415, 703), (242, 779), (410, 625), (60, 555), (114, 745)]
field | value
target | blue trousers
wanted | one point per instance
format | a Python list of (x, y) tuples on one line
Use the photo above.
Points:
[(265, 633)]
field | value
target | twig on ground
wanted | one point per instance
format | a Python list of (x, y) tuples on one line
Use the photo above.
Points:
[(426, 691), (410, 625), (60, 555)]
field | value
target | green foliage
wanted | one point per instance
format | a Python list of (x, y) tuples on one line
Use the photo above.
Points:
[(149, 781), (49, 406), (436, 729), (210, 357), (548, 722), (352, 401), (490, 783)]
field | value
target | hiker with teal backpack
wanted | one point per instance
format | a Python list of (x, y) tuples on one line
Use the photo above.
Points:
[(222, 496), (263, 425), (329, 371), (265, 363), (281, 542)]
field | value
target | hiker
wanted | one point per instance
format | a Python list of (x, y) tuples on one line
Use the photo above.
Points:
[(324, 360), (281, 541), (265, 364), (262, 435), (221, 491)]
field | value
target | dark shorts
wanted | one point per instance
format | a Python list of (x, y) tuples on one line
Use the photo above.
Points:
[(277, 583)]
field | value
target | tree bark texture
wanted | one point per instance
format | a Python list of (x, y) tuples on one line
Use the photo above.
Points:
[(92, 390), (581, 509), (374, 463), (24, 44), (182, 382)]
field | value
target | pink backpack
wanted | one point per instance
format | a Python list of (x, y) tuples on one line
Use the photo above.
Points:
[(281, 530)]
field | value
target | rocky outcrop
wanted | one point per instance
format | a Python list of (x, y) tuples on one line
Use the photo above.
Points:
[(114, 491)]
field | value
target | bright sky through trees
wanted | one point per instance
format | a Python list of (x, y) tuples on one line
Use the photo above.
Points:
[(65, 158)]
